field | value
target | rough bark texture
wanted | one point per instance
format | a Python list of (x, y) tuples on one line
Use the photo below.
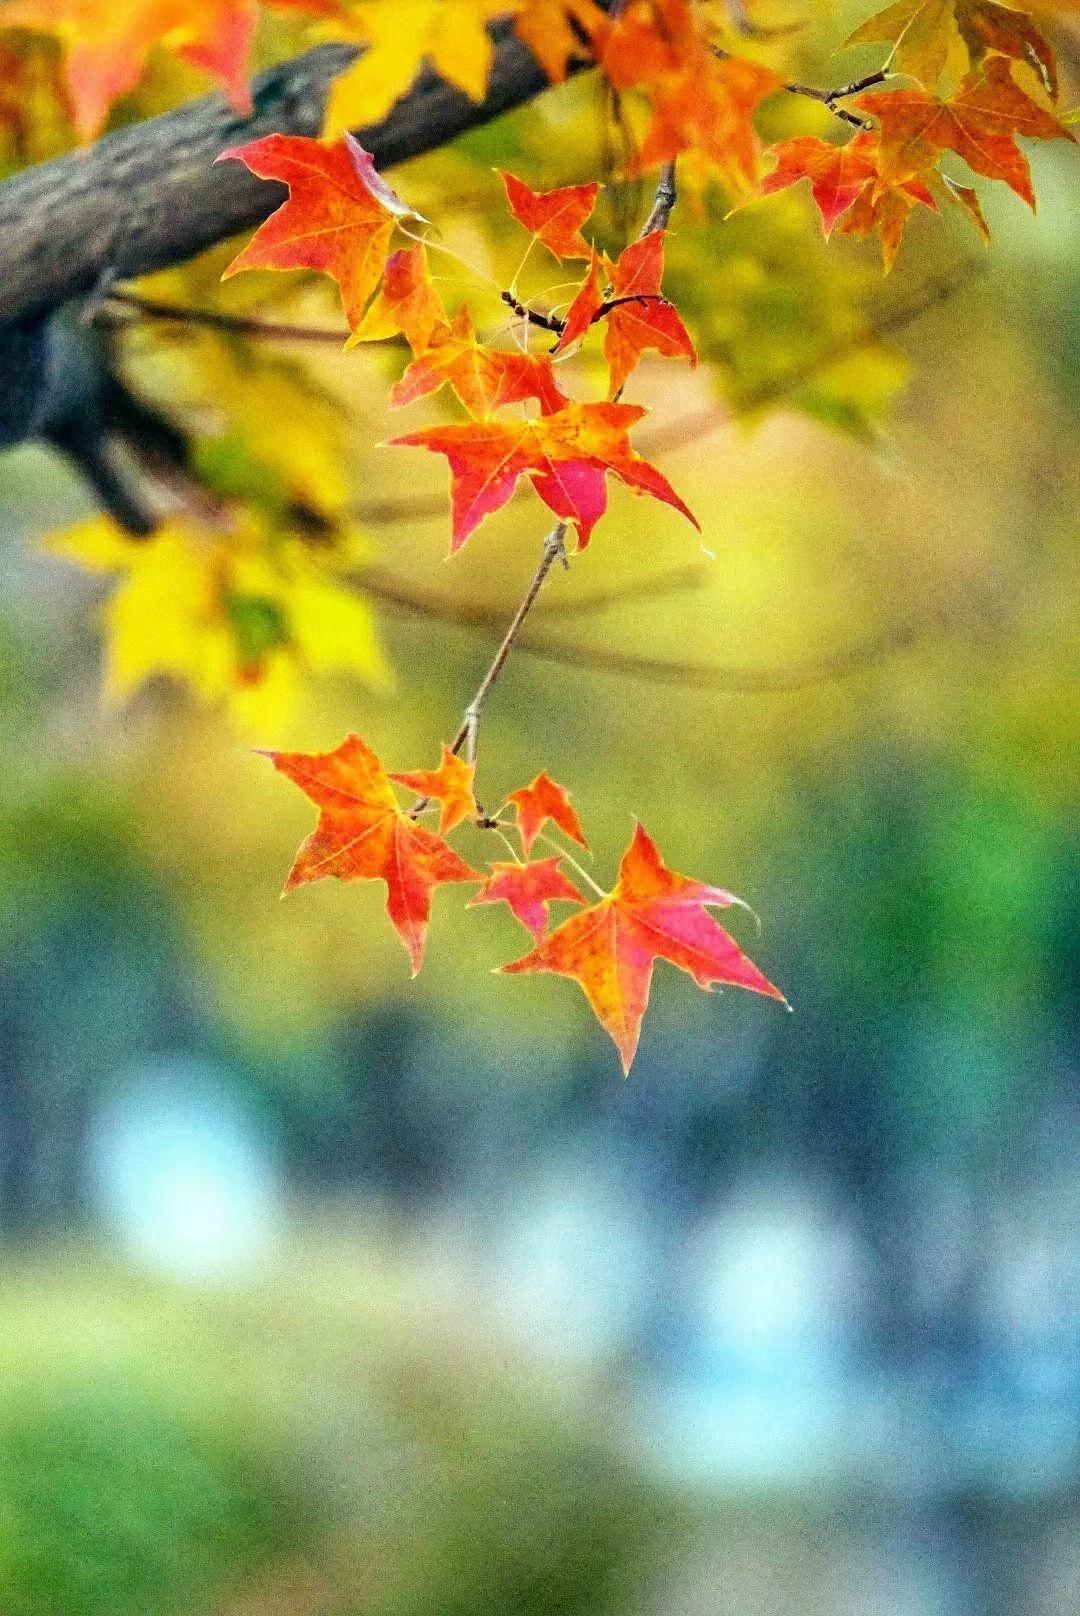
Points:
[(148, 196)]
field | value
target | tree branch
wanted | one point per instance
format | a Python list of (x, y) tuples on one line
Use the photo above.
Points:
[(147, 196)]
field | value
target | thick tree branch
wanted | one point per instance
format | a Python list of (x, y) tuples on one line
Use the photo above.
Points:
[(147, 196)]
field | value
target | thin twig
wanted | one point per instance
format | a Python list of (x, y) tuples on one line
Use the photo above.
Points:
[(466, 737), (829, 98), (412, 602)]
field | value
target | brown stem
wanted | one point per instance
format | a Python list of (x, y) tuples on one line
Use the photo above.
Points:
[(467, 735)]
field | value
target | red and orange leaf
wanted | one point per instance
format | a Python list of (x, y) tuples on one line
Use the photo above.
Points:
[(837, 174), (609, 949), (566, 455), (407, 303), (641, 317), (554, 217), (586, 305), (338, 217), (545, 799), (700, 102), (528, 889), (483, 378), (980, 124), (986, 26), (362, 835), (886, 209), (106, 45), (451, 784)]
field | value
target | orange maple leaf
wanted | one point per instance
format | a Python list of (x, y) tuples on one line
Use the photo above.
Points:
[(483, 378), (545, 799), (554, 217), (451, 784), (528, 889), (338, 218), (106, 45), (558, 32), (407, 303), (566, 454), (700, 102), (979, 123), (609, 949), (363, 835), (637, 317), (886, 208)]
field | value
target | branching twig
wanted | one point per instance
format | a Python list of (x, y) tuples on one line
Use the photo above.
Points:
[(829, 98)]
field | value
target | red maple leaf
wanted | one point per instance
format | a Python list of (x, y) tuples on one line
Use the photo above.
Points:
[(362, 835), (837, 174), (637, 317), (545, 799), (554, 217), (566, 454), (338, 217), (609, 949), (528, 889)]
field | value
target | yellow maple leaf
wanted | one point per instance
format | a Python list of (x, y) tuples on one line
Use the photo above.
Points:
[(239, 620), (401, 39)]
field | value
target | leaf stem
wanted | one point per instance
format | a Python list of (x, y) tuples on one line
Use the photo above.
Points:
[(579, 869)]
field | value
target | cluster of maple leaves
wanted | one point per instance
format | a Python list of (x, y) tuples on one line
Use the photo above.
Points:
[(699, 97), (977, 74), (608, 947), (339, 218)]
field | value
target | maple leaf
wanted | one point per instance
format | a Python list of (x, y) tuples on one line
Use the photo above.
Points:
[(609, 949), (483, 378), (558, 32), (106, 45), (886, 208), (451, 784), (545, 799), (407, 303), (700, 102), (986, 26), (554, 217), (528, 889), (638, 317), (362, 835), (923, 33), (837, 174), (400, 39), (223, 612), (566, 454), (979, 123), (338, 217)]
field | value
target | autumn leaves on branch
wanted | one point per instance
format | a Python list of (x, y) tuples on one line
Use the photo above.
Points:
[(966, 77)]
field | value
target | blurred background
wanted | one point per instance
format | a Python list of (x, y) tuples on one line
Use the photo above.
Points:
[(323, 1292)]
